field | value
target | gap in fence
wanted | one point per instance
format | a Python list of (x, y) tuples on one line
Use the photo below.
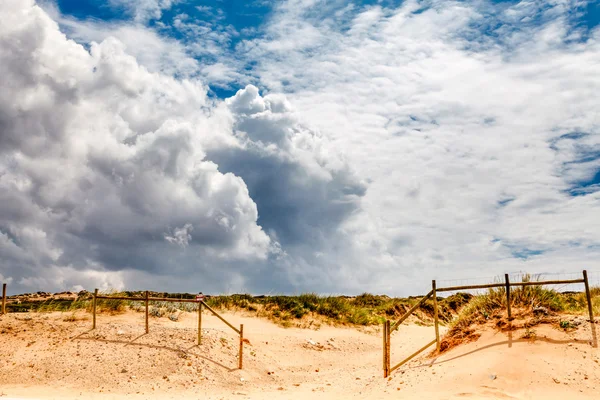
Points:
[(506, 283), (201, 304)]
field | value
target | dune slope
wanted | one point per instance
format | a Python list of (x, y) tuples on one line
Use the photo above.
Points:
[(56, 356)]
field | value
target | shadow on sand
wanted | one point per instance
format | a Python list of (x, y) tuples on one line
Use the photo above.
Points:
[(593, 342), (179, 351)]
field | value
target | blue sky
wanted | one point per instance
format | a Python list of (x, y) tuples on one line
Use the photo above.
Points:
[(242, 21), (301, 145)]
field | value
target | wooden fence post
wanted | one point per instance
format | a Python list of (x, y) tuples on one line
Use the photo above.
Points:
[(241, 357), (388, 333), (507, 281), (435, 315), (199, 323), (588, 295), (147, 301), (3, 298), (94, 308), (384, 349)]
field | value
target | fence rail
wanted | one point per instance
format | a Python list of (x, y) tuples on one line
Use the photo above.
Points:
[(412, 310), (147, 299), (497, 285), (201, 304), (388, 329)]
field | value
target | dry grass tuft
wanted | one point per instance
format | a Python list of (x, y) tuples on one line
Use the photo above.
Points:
[(532, 305)]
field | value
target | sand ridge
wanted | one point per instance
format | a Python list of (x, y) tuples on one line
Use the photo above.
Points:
[(56, 356)]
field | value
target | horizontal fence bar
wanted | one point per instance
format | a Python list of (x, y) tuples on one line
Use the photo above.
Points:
[(495, 285), (409, 312), (413, 355), (121, 298), (174, 300), (221, 318), (149, 299), (484, 286), (547, 283)]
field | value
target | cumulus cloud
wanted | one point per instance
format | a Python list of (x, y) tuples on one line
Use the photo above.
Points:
[(113, 175), (301, 186), (100, 157), (474, 122), (181, 236), (468, 132)]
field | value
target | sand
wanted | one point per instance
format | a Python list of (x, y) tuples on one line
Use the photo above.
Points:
[(52, 356)]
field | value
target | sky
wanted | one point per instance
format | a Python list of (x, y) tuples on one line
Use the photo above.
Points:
[(281, 147)]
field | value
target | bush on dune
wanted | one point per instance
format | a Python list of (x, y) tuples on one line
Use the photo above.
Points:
[(527, 302)]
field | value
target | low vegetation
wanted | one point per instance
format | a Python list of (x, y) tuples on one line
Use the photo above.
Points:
[(462, 312), (305, 310), (365, 309), (530, 305)]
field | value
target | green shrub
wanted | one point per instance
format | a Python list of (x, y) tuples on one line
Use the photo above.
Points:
[(361, 316), (332, 307), (566, 325), (368, 300)]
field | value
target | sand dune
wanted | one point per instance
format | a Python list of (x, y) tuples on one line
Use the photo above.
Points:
[(49, 356)]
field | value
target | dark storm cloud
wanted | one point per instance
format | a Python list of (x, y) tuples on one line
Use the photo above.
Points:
[(111, 175), (300, 198)]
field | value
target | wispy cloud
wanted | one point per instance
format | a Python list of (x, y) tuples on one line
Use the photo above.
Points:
[(449, 109), (144, 10)]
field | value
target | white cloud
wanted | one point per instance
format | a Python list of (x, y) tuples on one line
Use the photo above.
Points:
[(181, 236), (471, 146), (448, 124), (6, 279), (153, 51), (104, 165), (144, 10), (68, 278), (99, 157)]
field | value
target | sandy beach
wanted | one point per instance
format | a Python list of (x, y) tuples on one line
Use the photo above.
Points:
[(57, 356)]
